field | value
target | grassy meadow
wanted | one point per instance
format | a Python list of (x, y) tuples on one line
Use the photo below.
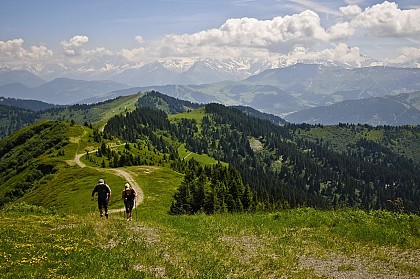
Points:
[(301, 243)]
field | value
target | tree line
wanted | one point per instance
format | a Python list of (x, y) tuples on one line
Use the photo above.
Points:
[(289, 170), (211, 189)]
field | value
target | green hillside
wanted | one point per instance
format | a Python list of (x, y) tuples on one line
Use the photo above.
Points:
[(300, 243), (94, 113), (21, 113), (286, 166), (37, 166), (317, 204)]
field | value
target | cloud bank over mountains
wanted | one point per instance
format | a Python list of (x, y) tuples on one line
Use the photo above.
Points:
[(349, 38)]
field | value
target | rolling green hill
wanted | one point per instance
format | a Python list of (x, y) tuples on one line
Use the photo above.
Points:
[(35, 167), (336, 201), (14, 117), (402, 141), (94, 113)]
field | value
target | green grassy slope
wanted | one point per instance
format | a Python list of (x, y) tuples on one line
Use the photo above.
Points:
[(95, 113), (301, 243), (38, 167), (30, 156)]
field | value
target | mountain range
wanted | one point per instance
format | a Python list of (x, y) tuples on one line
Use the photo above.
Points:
[(402, 109), (279, 91), (23, 77), (61, 91)]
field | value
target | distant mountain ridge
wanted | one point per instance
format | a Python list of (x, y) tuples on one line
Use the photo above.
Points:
[(21, 76), (284, 91), (183, 71), (280, 91), (60, 91), (389, 110)]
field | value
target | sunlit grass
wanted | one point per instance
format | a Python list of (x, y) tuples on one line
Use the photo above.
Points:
[(298, 243), (201, 158)]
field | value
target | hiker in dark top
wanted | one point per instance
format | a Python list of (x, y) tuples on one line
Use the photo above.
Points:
[(104, 195), (128, 196)]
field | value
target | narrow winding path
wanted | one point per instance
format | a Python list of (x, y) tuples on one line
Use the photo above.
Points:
[(120, 172)]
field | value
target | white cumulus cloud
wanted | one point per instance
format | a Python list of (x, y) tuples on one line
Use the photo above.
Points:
[(387, 20), (74, 45), (13, 52), (304, 35), (76, 53), (351, 11), (242, 35), (407, 55)]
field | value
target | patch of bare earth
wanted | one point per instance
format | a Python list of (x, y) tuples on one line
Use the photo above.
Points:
[(150, 237), (142, 234), (146, 169), (250, 251), (384, 263), (147, 234), (246, 247), (256, 145), (64, 227), (158, 271), (112, 243)]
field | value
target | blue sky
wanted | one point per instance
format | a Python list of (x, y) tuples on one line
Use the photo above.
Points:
[(115, 33)]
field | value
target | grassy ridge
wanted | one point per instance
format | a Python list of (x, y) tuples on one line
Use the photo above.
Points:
[(96, 113), (300, 243), (201, 158)]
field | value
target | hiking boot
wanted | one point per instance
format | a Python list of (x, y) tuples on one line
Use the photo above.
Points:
[(102, 216), (106, 215)]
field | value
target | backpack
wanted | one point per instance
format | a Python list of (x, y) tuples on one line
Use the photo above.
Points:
[(129, 194)]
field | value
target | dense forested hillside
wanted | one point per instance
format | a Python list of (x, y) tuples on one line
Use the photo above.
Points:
[(14, 118), (165, 103), (291, 165), (284, 166)]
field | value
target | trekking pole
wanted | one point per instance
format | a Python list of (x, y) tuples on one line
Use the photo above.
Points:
[(135, 205)]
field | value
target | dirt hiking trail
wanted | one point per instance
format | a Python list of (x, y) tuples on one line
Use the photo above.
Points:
[(120, 172)]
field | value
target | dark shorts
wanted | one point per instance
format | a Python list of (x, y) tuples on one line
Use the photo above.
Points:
[(102, 204), (128, 206)]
